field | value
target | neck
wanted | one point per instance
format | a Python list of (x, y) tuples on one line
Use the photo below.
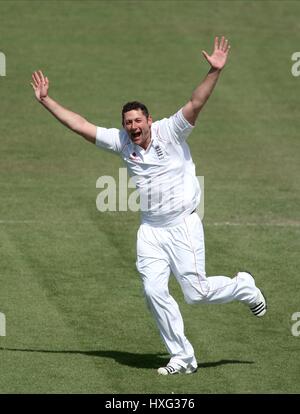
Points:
[(147, 142)]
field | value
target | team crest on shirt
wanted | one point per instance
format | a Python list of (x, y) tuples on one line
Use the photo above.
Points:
[(159, 152)]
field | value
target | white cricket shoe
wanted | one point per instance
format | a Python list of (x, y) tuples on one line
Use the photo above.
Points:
[(259, 308), (172, 370)]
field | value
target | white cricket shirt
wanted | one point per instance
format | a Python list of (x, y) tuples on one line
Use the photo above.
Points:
[(164, 173)]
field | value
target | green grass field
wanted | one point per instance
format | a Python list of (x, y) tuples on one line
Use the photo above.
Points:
[(76, 321)]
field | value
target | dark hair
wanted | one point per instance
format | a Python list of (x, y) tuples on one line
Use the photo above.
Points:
[(130, 106)]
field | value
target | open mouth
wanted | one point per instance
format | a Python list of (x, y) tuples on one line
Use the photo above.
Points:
[(136, 135)]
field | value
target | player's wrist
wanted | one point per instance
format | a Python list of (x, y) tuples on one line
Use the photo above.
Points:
[(214, 69), (44, 99)]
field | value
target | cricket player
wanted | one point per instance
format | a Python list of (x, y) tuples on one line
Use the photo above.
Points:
[(170, 237)]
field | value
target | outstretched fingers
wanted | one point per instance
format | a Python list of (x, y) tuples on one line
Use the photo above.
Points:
[(205, 54), (33, 83), (222, 43), (41, 76), (216, 44), (227, 47), (39, 79), (35, 79)]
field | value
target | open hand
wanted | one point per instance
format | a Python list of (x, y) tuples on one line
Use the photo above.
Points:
[(40, 85), (219, 56)]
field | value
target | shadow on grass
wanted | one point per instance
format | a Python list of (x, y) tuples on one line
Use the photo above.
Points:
[(148, 361)]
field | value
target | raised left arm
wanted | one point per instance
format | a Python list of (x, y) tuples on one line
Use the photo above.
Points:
[(201, 94)]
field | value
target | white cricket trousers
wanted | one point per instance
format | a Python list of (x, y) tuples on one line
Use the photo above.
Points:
[(180, 250)]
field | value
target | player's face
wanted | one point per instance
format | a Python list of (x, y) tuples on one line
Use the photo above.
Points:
[(138, 127)]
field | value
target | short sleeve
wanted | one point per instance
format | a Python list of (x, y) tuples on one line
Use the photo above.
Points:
[(176, 128), (111, 139)]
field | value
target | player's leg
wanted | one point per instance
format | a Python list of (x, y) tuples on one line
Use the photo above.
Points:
[(153, 266), (188, 265)]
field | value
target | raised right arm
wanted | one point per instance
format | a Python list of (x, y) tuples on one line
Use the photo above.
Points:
[(70, 119)]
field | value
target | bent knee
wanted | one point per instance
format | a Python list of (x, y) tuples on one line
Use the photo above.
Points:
[(192, 300), (194, 295)]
